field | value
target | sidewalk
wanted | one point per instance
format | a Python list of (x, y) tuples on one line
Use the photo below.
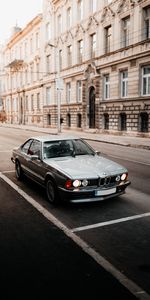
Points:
[(128, 141)]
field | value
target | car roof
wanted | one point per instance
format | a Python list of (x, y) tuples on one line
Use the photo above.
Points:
[(47, 138)]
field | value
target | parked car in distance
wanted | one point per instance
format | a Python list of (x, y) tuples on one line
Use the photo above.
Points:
[(69, 169)]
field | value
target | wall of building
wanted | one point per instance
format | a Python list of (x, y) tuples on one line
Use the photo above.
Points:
[(114, 95)]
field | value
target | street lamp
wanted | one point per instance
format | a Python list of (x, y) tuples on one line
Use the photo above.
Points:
[(59, 86)]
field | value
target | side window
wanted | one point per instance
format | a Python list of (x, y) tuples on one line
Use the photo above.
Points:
[(35, 148), (26, 146)]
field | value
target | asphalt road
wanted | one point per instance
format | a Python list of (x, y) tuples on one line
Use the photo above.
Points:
[(117, 231)]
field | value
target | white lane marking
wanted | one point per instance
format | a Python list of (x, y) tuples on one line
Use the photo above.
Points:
[(11, 171), (102, 224), (129, 284), (134, 161)]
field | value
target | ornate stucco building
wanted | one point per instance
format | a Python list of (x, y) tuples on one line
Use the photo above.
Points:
[(94, 61), (22, 81)]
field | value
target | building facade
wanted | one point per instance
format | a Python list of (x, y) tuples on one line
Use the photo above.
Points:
[(95, 67), (22, 88)]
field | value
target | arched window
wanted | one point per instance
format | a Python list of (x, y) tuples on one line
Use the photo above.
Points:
[(68, 120), (106, 121), (123, 122), (79, 120), (143, 122)]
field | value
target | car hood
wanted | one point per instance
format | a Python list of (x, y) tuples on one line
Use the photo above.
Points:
[(86, 166)]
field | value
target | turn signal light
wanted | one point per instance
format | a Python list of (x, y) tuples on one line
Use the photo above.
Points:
[(68, 184)]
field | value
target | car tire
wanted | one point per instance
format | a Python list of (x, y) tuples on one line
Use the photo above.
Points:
[(18, 170), (51, 192)]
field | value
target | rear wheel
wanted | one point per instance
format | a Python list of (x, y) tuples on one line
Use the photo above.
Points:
[(18, 170), (51, 192)]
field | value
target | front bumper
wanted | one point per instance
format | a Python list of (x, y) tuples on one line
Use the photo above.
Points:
[(84, 195)]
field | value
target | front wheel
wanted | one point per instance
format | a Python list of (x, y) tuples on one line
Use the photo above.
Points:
[(51, 192), (18, 170)]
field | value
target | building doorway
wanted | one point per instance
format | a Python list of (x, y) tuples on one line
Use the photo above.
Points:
[(92, 108)]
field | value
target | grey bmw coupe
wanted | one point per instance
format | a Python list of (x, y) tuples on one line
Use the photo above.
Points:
[(69, 169)]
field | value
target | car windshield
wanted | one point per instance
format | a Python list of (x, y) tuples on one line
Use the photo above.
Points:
[(63, 148)]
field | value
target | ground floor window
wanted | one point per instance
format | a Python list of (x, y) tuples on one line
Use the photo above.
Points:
[(106, 121), (143, 122), (79, 120), (122, 122), (48, 119), (68, 120)]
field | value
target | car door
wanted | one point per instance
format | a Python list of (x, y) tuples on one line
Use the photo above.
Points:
[(23, 155), (34, 161)]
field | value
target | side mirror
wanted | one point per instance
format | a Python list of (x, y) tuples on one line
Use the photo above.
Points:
[(97, 152)]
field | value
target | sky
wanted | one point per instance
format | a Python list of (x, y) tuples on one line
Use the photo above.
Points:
[(18, 12)]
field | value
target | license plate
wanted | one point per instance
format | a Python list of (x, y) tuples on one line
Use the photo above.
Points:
[(105, 192)]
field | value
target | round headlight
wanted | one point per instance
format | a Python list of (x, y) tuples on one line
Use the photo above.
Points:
[(123, 176), (76, 183), (85, 182)]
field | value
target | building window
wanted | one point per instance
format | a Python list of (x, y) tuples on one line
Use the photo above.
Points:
[(106, 121), (108, 38), (93, 45), (93, 5), (32, 102), (48, 119), (38, 101), (32, 73), (106, 87), (48, 96), (48, 63), (124, 83), (20, 49), (27, 103), (31, 45), (37, 70), (21, 78), (37, 41), (146, 81), (125, 32), (48, 32), (80, 51), (69, 50), (26, 76), (143, 122), (80, 10), (14, 104), (79, 91), (68, 120), (79, 120), (146, 13), (68, 92), (122, 122), (69, 17), (59, 26), (60, 59), (25, 49)]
